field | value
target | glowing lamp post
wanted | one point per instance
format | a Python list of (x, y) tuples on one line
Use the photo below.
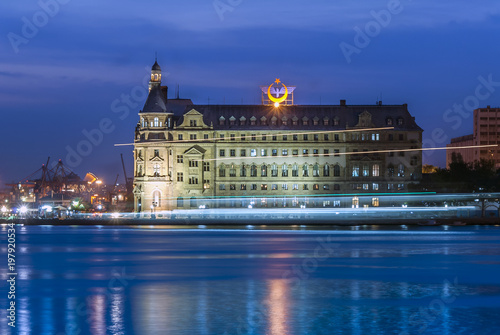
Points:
[(4, 210)]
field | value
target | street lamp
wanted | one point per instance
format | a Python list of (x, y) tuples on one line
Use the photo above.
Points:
[(4, 210)]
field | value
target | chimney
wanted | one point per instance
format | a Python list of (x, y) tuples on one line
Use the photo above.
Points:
[(342, 102)]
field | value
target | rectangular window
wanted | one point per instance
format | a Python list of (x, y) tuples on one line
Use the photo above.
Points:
[(179, 137), (232, 187), (243, 171), (222, 187), (315, 152), (243, 153), (221, 136), (193, 163), (285, 137), (325, 137), (326, 153), (232, 152), (305, 152), (275, 138), (192, 137), (253, 187), (305, 187), (263, 187), (375, 202), (375, 186), (355, 171), (305, 137), (156, 153), (263, 152), (232, 136), (326, 187), (336, 137), (284, 170), (366, 171), (264, 137), (242, 137), (254, 137), (180, 176), (375, 170), (284, 187), (206, 166), (316, 187), (336, 152), (274, 187), (180, 159), (295, 137), (275, 152), (232, 172), (205, 136), (295, 152), (243, 187), (192, 123), (284, 152), (295, 187), (366, 187), (222, 153), (253, 152), (316, 137)]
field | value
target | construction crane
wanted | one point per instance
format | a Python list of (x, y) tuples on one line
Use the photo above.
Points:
[(128, 184)]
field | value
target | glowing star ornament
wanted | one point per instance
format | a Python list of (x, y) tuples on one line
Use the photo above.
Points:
[(277, 91)]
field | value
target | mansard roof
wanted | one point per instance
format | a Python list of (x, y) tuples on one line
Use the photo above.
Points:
[(345, 116)]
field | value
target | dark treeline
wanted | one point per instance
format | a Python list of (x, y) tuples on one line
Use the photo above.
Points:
[(461, 177)]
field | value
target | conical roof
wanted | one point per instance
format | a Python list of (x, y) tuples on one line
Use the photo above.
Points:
[(156, 102)]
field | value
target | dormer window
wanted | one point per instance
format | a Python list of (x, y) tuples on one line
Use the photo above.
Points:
[(325, 121), (253, 120), (315, 121), (295, 121), (389, 121), (284, 121), (192, 123), (273, 120), (336, 121), (221, 121), (400, 121), (242, 121), (263, 121), (232, 120)]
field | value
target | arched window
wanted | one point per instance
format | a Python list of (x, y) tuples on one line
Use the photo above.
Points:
[(316, 170), (284, 170), (326, 170), (222, 170), (253, 171), (243, 171), (336, 171), (295, 170), (274, 170), (305, 170), (263, 170), (156, 198)]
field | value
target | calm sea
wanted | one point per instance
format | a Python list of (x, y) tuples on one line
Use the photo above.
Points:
[(254, 280)]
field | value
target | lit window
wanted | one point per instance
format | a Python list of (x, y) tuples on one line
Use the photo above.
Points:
[(355, 171), (253, 152)]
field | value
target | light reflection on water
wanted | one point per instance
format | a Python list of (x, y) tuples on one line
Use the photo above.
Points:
[(143, 281)]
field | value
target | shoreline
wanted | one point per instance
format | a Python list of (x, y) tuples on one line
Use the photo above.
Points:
[(267, 222)]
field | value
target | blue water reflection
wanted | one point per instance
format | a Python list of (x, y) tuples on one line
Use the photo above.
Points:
[(89, 280)]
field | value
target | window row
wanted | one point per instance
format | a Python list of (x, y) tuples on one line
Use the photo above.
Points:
[(274, 121), (283, 170), (276, 152), (275, 187)]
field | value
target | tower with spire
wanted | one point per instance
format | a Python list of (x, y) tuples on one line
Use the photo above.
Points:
[(155, 76)]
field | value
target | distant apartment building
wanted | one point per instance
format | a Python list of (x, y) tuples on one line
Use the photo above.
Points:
[(486, 132)]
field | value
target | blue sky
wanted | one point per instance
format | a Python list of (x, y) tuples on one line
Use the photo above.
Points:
[(63, 77)]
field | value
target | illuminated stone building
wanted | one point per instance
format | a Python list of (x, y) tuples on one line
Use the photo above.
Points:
[(267, 155), (486, 132)]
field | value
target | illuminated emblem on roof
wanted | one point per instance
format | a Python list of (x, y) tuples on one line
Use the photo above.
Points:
[(277, 95)]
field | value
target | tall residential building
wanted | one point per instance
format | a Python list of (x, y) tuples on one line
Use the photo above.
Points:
[(270, 154), (486, 132)]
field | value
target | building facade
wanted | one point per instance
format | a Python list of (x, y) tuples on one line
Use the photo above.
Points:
[(486, 132), (187, 155)]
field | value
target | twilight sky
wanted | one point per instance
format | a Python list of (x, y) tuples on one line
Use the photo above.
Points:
[(65, 65)]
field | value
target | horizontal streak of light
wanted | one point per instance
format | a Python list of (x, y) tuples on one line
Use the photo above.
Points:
[(349, 153), (267, 134)]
